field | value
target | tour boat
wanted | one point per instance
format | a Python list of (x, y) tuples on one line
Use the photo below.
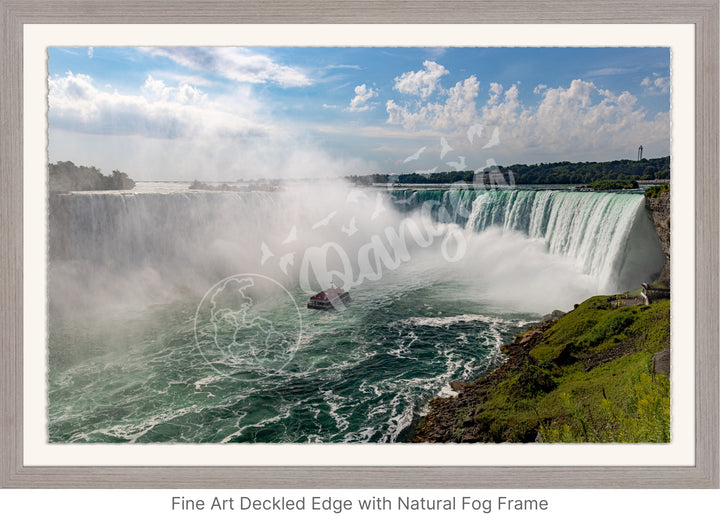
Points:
[(331, 299)]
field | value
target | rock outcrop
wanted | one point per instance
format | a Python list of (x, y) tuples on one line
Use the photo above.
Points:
[(659, 209), (442, 424), (563, 379)]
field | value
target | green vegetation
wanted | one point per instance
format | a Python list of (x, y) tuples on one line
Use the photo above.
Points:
[(606, 389), (637, 409), (587, 172), (588, 377), (66, 176), (367, 180), (656, 191), (197, 185), (603, 185), (544, 173), (594, 326)]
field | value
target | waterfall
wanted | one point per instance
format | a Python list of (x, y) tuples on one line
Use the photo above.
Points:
[(609, 235), (121, 228), (117, 247), (106, 240)]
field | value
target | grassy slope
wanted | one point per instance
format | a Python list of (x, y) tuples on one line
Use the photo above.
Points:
[(605, 389), (586, 377)]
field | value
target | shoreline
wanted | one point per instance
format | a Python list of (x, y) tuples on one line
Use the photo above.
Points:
[(533, 395), (552, 355)]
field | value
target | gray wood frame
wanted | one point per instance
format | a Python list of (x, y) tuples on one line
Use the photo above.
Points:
[(702, 13)]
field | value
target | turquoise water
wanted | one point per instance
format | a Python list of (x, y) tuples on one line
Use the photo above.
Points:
[(181, 317), (360, 375)]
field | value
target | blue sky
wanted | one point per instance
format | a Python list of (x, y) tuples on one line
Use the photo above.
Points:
[(225, 113)]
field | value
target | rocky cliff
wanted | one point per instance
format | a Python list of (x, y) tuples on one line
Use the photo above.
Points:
[(659, 209), (596, 374), (461, 418)]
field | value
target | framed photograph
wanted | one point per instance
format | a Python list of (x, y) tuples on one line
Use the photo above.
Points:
[(322, 245)]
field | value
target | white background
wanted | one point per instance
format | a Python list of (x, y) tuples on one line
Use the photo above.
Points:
[(586, 507), (37, 450)]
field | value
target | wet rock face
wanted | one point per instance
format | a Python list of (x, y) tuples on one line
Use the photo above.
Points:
[(659, 209)]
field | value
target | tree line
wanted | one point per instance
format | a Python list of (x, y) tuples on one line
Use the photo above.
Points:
[(544, 173), (66, 176)]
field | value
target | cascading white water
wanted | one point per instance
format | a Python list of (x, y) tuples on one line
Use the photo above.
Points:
[(608, 235), (192, 239)]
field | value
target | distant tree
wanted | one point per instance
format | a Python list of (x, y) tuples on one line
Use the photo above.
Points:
[(66, 176), (564, 172), (613, 184), (649, 173), (121, 181)]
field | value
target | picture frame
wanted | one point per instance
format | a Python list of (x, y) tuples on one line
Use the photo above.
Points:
[(703, 14)]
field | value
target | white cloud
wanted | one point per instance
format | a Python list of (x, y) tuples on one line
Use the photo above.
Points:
[(178, 132), (608, 71), (578, 119), (658, 85), (234, 63), (362, 95), (423, 82), (187, 94), (457, 109), (575, 121), (156, 89), (342, 66), (495, 92), (159, 111), (663, 84), (193, 80)]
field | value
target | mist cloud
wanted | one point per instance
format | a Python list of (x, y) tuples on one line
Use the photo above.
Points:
[(193, 134)]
